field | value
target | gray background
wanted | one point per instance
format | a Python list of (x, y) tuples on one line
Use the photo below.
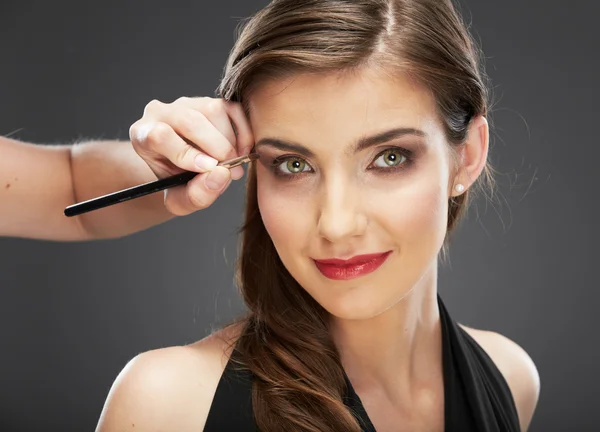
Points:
[(72, 315)]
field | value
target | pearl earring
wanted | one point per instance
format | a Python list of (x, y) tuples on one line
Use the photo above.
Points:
[(459, 188)]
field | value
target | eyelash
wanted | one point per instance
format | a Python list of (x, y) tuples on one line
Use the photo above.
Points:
[(407, 154)]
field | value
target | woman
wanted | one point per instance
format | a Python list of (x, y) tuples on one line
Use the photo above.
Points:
[(370, 121)]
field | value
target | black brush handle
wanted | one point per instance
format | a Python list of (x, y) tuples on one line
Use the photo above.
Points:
[(128, 194)]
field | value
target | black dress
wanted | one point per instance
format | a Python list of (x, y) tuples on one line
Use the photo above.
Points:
[(476, 395)]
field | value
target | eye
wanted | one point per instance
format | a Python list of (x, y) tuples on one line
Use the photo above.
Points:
[(290, 165), (390, 158)]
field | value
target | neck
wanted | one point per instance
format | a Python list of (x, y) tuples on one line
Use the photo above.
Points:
[(398, 351)]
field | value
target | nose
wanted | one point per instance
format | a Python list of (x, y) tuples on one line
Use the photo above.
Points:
[(340, 214)]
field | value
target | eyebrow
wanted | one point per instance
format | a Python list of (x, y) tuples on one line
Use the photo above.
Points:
[(360, 145)]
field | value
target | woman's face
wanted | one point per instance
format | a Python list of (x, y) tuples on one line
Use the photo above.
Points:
[(352, 165)]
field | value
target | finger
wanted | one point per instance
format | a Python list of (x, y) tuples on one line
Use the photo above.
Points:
[(237, 172), (245, 137), (199, 193), (157, 141), (194, 126), (214, 110), (228, 117)]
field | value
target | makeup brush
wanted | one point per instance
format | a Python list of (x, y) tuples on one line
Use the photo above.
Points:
[(147, 188)]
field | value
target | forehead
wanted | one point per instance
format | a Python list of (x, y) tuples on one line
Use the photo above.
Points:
[(344, 105)]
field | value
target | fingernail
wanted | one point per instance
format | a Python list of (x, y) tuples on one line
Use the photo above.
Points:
[(237, 172), (217, 179), (205, 163)]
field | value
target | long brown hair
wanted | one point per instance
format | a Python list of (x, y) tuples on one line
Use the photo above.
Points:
[(285, 343)]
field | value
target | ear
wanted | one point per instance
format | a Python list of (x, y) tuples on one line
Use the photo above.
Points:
[(472, 155)]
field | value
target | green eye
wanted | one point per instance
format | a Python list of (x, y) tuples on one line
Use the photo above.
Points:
[(293, 166), (390, 158), (289, 166)]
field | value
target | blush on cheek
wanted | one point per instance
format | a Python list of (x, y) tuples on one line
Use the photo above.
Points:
[(285, 214), (428, 218), (269, 210), (415, 216)]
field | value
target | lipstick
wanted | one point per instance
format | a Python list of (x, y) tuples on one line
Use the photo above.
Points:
[(357, 266)]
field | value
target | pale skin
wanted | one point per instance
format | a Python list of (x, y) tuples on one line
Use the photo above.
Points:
[(385, 324)]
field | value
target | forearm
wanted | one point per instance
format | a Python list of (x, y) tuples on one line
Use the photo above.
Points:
[(39, 181), (103, 167)]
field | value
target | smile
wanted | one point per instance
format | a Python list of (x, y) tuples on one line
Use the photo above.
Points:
[(352, 268)]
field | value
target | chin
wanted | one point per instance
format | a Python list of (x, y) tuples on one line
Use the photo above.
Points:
[(358, 303)]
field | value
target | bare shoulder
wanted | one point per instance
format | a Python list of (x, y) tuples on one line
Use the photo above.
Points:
[(168, 388), (516, 366)]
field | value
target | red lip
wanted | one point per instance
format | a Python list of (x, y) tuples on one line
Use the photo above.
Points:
[(360, 265)]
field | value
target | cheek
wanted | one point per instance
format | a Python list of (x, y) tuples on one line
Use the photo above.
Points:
[(284, 212), (415, 215)]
